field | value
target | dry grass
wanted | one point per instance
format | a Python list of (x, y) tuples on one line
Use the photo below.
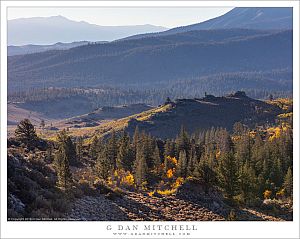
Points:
[(107, 127)]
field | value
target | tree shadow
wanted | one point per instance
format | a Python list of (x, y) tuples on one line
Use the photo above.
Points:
[(166, 208), (96, 208), (283, 215), (138, 210), (218, 208)]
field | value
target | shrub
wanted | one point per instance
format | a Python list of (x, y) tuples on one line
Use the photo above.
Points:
[(123, 179), (26, 196), (116, 193), (232, 216), (49, 194), (86, 188), (179, 181), (267, 194), (40, 213), (61, 204), (41, 202), (12, 214), (127, 181), (255, 202), (170, 173), (166, 192), (151, 194), (77, 192), (280, 194)]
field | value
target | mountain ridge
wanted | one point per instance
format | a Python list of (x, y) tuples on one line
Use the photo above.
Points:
[(31, 48), (264, 18), (169, 60), (61, 29)]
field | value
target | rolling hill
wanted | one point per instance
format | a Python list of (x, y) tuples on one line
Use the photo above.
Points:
[(153, 60), (28, 49), (196, 115), (109, 113), (71, 113)]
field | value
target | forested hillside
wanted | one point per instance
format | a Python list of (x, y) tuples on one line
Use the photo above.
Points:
[(31, 48), (152, 61)]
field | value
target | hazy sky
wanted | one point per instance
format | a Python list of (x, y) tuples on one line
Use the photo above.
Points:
[(167, 17)]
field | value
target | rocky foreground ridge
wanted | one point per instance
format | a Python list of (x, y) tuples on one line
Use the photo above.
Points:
[(187, 204), (139, 207)]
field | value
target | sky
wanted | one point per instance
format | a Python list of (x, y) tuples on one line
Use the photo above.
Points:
[(167, 17)]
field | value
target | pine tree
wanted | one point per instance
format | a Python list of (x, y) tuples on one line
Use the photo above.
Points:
[(277, 172), (64, 140), (192, 162), (71, 151), (261, 185), (257, 154), (169, 151), (156, 159), (182, 164), (125, 155), (49, 153), (288, 183), (112, 149), (141, 168), (238, 129), (205, 173), (182, 142), (65, 155), (103, 165), (248, 184), (225, 142), (168, 101), (25, 133), (62, 165), (266, 168), (79, 148), (94, 147), (210, 145), (243, 148), (136, 137), (228, 174)]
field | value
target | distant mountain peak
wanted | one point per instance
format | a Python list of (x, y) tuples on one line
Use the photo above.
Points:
[(58, 17), (49, 30), (259, 18)]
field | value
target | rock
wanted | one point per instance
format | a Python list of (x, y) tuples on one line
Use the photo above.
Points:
[(16, 204)]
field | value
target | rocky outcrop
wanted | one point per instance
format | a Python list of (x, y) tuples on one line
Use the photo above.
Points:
[(209, 197), (204, 113), (134, 206), (140, 207), (166, 208)]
